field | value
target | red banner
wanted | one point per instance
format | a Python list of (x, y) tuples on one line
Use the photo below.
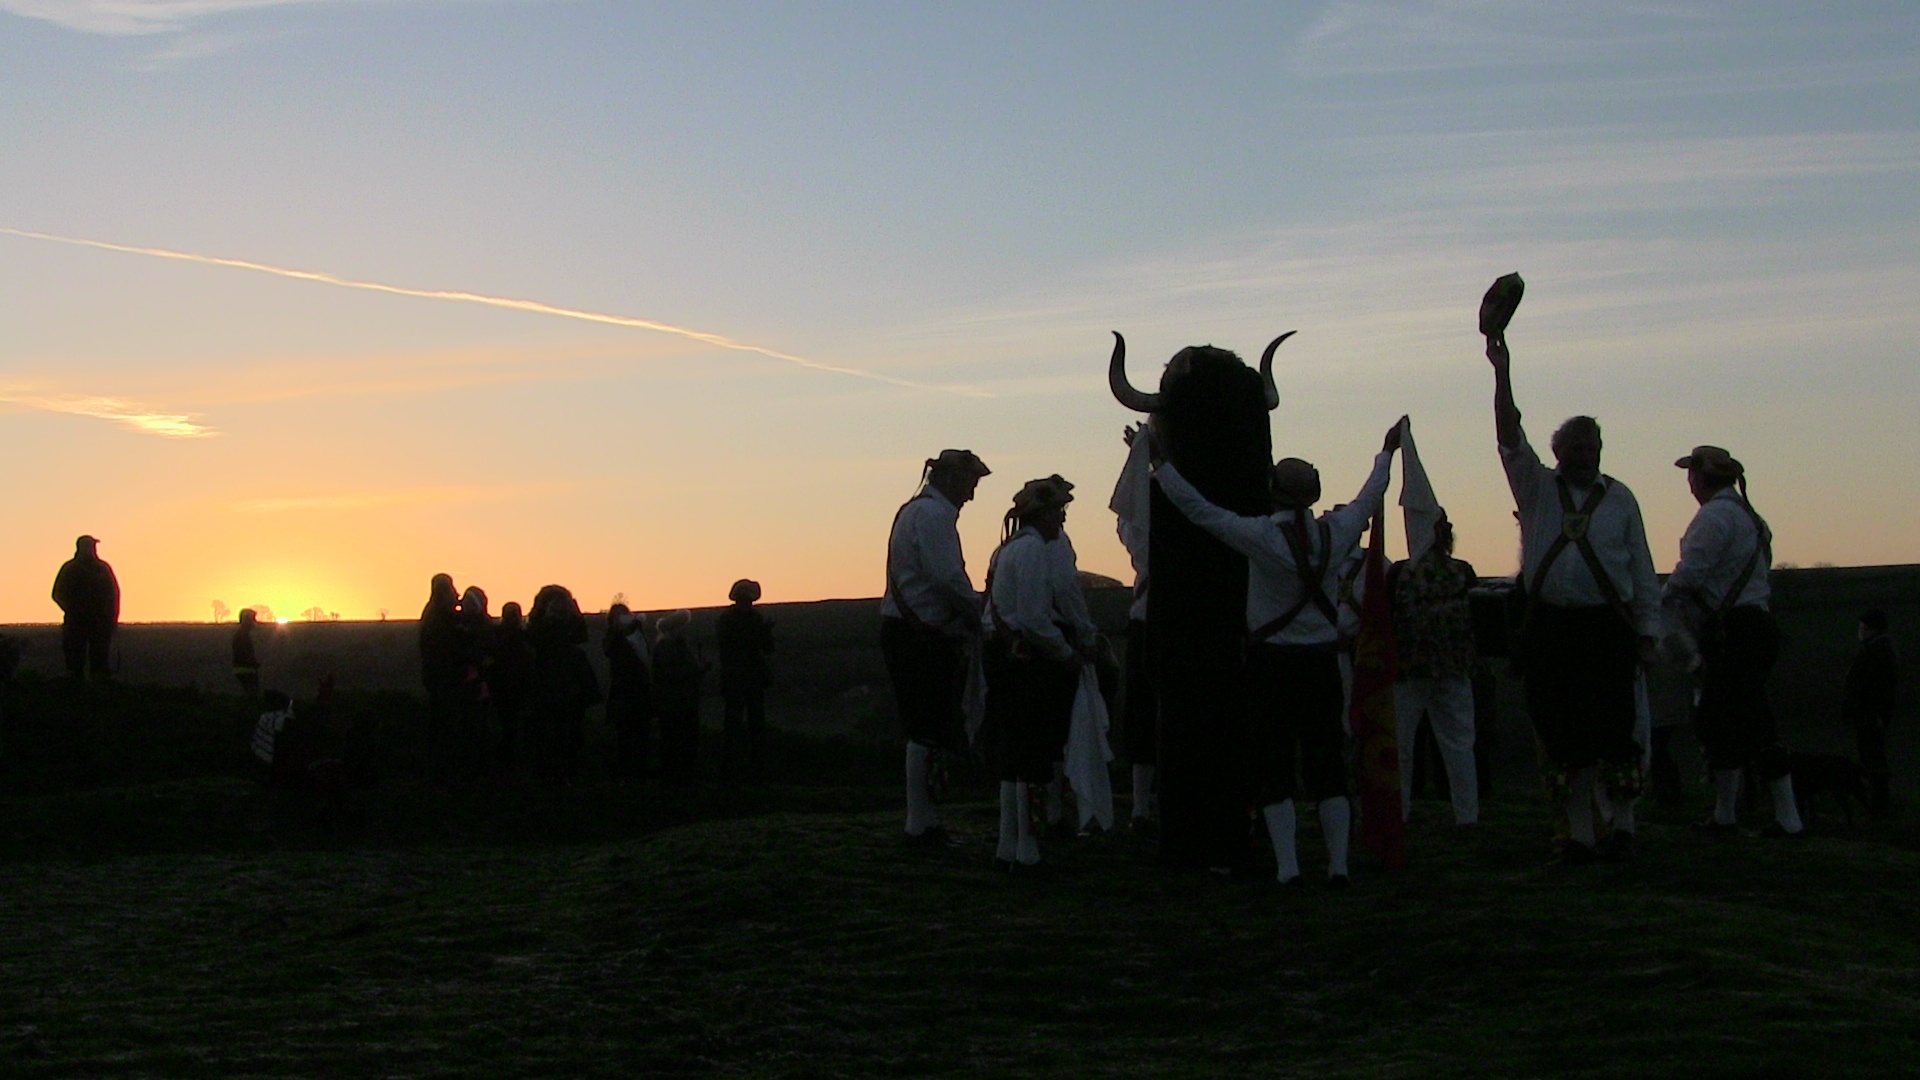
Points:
[(1375, 668)]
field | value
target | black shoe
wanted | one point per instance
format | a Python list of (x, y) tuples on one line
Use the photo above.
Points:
[(1577, 854), (1618, 847), (1719, 830), (932, 838), (1295, 884), (1339, 881), (1002, 866), (1037, 871)]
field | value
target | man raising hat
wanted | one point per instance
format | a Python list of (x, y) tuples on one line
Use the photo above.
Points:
[(1593, 612), (1718, 598), (927, 614)]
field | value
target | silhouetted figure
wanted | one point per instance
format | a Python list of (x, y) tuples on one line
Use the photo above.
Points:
[(510, 677), (1873, 684), (928, 615), (89, 599), (1592, 614), (474, 703), (1293, 635), (629, 691), (246, 662), (677, 673), (1433, 638), (1032, 661), (442, 669), (564, 683), (1720, 598), (745, 639)]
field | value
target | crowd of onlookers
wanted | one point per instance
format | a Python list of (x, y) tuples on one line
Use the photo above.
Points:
[(508, 696)]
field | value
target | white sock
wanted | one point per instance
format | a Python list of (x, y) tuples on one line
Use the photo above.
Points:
[(1580, 807), (1785, 810), (1280, 826), (1009, 823), (1623, 815), (1027, 847), (919, 799), (1336, 824), (1142, 791), (1726, 796)]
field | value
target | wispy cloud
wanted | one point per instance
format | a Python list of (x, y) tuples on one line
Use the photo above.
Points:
[(1377, 37), (536, 307), (334, 502), (131, 414), (128, 18)]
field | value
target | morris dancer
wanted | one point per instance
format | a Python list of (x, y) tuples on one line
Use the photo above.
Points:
[(1718, 596), (1433, 638), (1593, 612), (927, 614), (1131, 505), (1032, 666), (1292, 667)]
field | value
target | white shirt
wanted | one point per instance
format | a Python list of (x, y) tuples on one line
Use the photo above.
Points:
[(925, 563), (266, 732), (1069, 598), (1026, 592), (1273, 579), (1132, 504), (1617, 534), (1716, 547)]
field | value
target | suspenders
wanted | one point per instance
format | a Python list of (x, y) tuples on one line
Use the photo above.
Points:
[(1313, 577)]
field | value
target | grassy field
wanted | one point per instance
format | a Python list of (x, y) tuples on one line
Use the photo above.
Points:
[(803, 940), (161, 914)]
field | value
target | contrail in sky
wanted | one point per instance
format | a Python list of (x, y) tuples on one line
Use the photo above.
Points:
[(534, 306)]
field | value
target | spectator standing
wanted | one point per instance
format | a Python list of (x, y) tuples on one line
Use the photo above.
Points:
[(246, 661), (89, 599), (509, 675), (564, 683), (677, 673), (745, 639), (1873, 684), (442, 669), (629, 697)]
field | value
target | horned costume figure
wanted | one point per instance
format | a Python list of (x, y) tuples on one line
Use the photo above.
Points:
[(1209, 419)]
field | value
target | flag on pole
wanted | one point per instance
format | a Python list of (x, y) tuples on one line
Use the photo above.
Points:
[(1374, 670)]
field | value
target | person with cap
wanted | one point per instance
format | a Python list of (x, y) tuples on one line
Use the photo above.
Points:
[(1592, 613), (677, 673), (1293, 670), (1433, 642), (1717, 600), (89, 598), (928, 614), (745, 641), (1032, 658)]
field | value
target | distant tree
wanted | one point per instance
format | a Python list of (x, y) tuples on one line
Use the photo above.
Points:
[(264, 612), (1823, 565), (315, 613), (383, 614), (333, 616), (220, 611)]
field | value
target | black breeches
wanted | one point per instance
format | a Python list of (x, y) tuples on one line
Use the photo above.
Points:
[(1579, 685), (1293, 701), (745, 729), (1029, 710), (928, 670), (85, 650), (1140, 718), (1735, 721), (628, 715)]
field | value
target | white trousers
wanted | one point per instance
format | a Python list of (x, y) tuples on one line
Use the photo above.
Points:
[(1447, 702)]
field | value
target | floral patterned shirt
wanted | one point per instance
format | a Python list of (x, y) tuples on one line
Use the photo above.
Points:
[(1432, 619)]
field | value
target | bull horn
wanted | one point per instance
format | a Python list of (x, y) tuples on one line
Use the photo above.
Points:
[(1123, 390), (1266, 371)]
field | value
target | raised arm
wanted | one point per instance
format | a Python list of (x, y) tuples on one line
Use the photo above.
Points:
[(1506, 415), (1254, 537)]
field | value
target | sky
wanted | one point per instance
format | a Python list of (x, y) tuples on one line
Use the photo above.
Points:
[(666, 295)]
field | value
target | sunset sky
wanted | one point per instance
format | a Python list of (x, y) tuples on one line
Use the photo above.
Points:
[(896, 227)]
